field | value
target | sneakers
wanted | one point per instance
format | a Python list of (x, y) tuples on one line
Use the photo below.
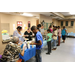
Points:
[(54, 48), (58, 45), (48, 53)]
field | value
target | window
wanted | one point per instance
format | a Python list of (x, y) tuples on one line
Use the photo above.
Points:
[(72, 22), (61, 23), (66, 23)]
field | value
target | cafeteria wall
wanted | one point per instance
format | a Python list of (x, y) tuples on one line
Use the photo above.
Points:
[(58, 23), (12, 19), (55, 22), (45, 18), (1, 36), (72, 29), (2, 46)]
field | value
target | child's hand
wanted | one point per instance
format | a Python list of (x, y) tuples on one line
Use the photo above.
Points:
[(32, 43), (47, 37)]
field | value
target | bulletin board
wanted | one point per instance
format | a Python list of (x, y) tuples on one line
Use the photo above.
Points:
[(46, 25), (29, 24)]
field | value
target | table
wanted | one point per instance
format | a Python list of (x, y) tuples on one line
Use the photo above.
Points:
[(29, 53), (44, 43)]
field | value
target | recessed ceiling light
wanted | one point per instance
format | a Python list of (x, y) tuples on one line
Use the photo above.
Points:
[(73, 13), (25, 14)]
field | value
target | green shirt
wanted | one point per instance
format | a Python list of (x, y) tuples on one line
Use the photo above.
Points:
[(50, 37)]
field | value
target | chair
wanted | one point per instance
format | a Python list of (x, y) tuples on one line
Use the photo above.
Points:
[(0, 56)]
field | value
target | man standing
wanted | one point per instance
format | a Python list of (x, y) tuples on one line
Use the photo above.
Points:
[(38, 43), (39, 27), (64, 32)]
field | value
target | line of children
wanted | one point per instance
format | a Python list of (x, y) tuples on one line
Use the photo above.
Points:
[(51, 35)]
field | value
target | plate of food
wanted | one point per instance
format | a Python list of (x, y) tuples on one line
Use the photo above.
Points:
[(26, 39)]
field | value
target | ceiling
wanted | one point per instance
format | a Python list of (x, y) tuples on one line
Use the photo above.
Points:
[(35, 14), (66, 13), (55, 15)]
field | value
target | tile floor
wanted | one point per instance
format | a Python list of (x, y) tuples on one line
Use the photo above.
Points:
[(64, 53)]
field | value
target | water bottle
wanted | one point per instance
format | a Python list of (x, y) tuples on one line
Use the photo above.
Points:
[(25, 45), (28, 45)]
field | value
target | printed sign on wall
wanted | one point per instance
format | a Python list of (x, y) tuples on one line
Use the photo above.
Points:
[(28, 24), (19, 23), (14, 28)]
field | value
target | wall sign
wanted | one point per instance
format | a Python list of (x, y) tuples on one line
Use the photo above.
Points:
[(19, 23), (14, 27), (29, 24)]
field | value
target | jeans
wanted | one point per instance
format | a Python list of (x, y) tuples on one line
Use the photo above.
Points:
[(54, 41), (59, 37), (49, 46), (38, 56)]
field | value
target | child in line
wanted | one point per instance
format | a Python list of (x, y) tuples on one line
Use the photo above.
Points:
[(59, 35), (55, 37), (50, 27), (49, 38)]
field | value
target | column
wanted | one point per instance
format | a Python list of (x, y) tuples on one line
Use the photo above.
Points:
[(0, 36)]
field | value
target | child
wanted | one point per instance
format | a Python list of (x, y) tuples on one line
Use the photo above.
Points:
[(49, 38), (54, 37), (59, 35), (50, 27)]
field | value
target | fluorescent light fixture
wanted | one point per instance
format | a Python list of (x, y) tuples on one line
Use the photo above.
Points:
[(25, 14), (37, 17), (73, 13)]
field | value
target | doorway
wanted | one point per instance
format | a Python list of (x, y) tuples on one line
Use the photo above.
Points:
[(37, 22)]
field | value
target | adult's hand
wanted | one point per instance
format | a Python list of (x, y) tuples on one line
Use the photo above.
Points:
[(24, 35), (20, 42), (32, 34), (27, 35)]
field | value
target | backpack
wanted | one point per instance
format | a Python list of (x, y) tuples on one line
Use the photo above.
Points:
[(11, 53)]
